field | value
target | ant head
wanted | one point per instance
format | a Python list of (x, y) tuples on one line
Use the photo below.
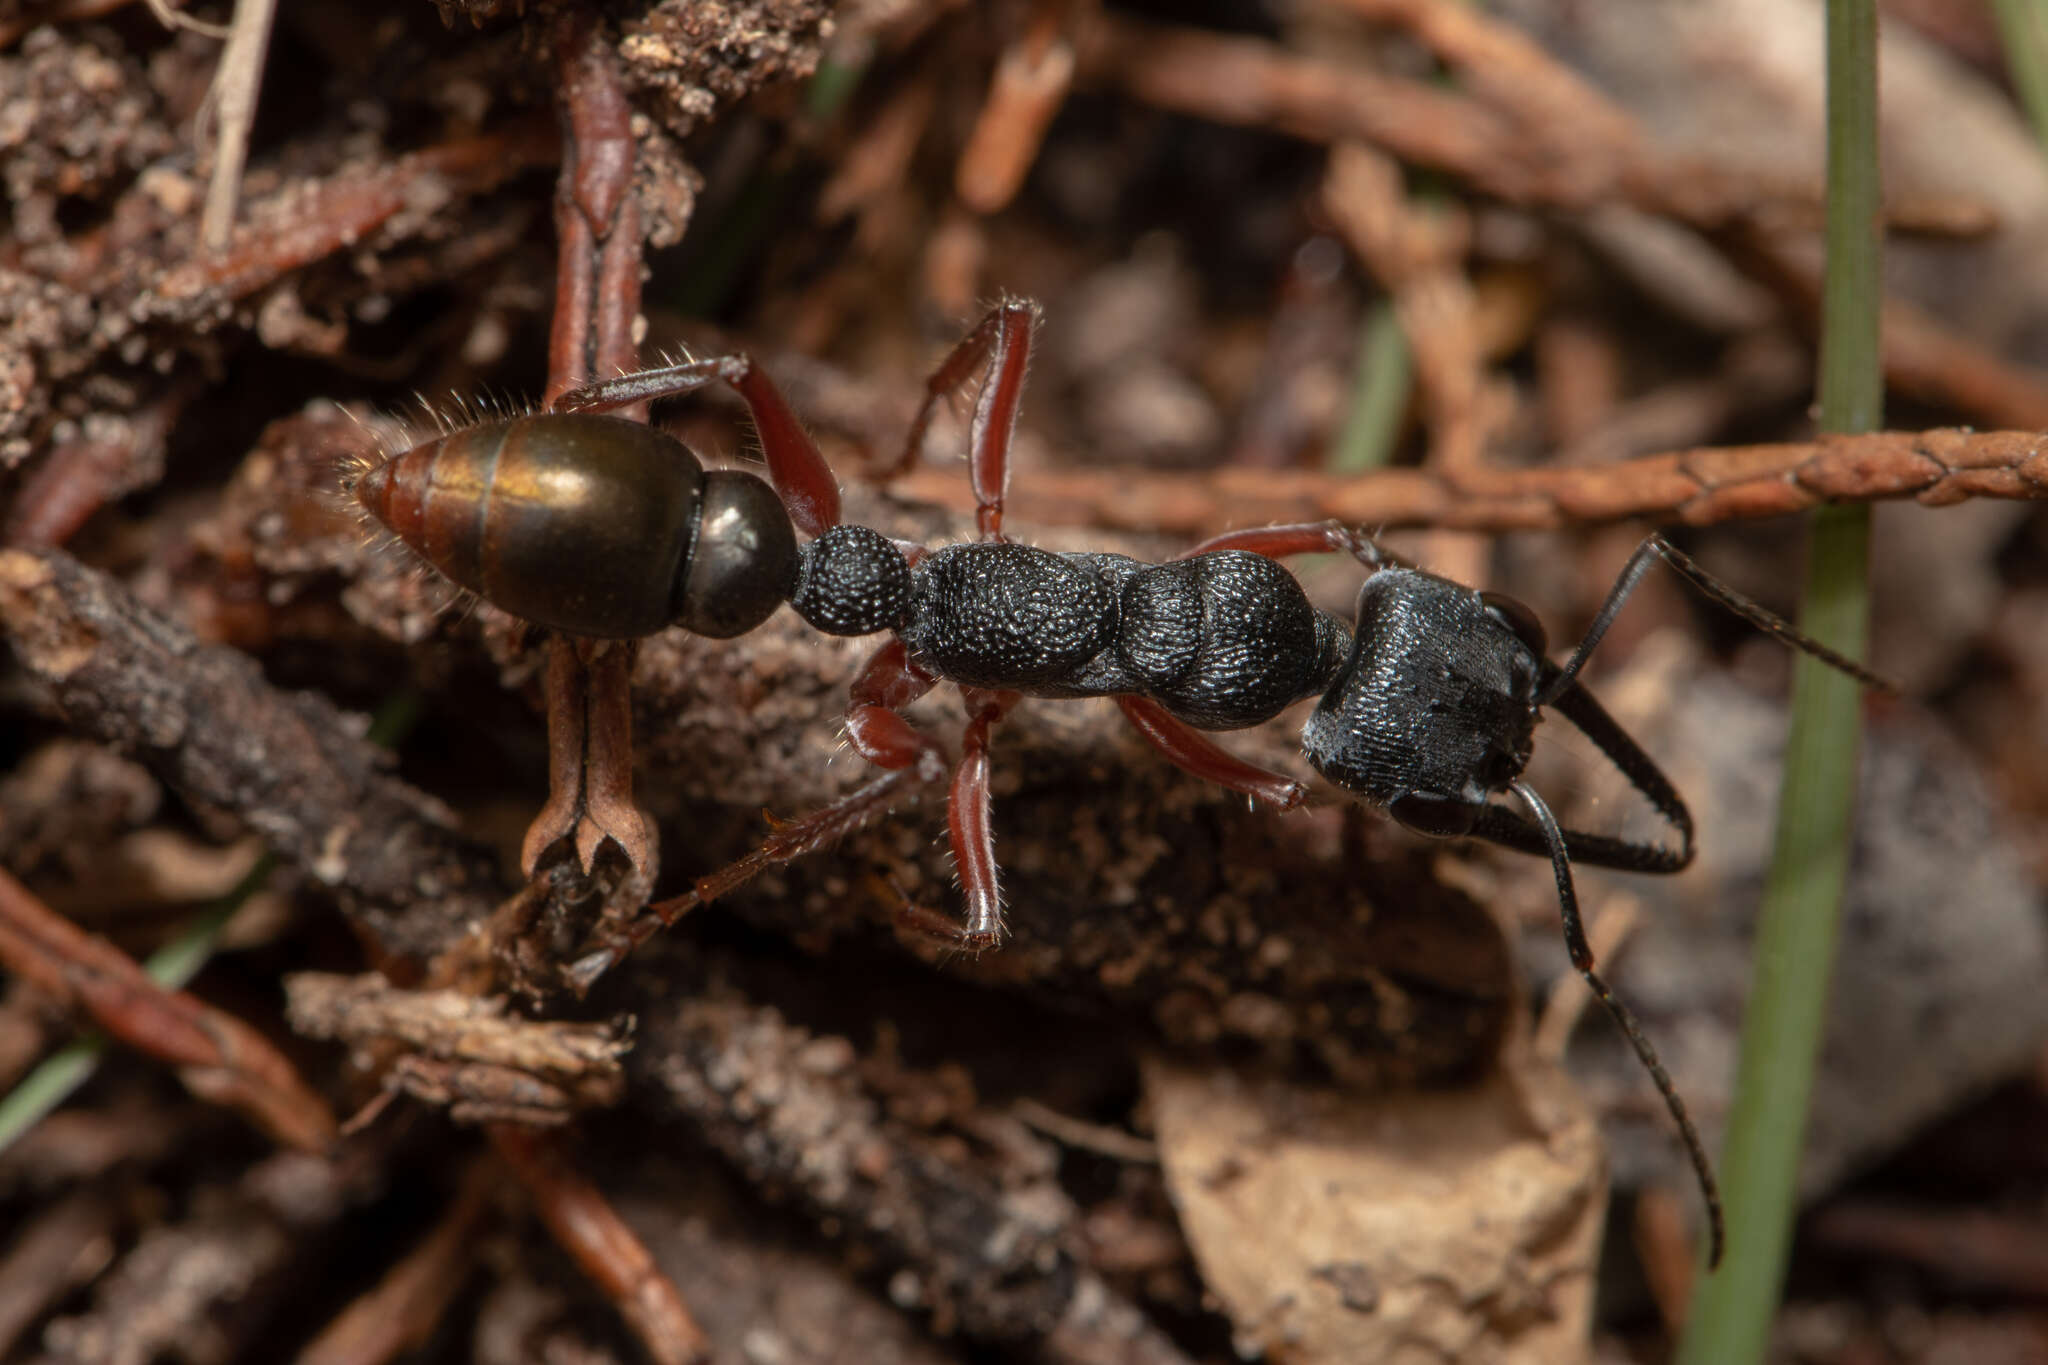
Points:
[(1436, 706)]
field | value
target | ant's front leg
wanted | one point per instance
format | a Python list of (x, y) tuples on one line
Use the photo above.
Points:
[(1002, 343)]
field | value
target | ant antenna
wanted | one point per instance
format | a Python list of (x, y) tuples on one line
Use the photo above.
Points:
[(1582, 959), (1655, 546)]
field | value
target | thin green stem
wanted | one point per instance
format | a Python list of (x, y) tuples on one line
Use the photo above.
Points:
[(1732, 1310), (60, 1074), (172, 966), (1379, 392), (2023, 25)]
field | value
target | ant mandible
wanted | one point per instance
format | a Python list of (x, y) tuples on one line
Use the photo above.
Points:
[(597, 526)]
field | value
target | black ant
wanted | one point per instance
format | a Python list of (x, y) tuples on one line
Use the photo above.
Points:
[(602, 527)]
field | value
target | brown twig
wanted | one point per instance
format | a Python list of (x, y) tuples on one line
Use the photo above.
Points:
[(220, 1058), (1028, 88), (592, 1232), (493, 1067), (1417, 258), (235, 85), (597, 304), (113, 456), (1700, 487), (309, 220), (1538, 136), (294, 766), (408, 1303), (51, 1254), (792, 1111)]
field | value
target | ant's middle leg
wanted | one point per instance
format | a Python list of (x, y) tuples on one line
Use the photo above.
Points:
[(877, 729), (1002, 343), (807, 485)]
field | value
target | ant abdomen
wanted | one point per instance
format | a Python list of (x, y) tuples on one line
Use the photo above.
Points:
[(591, 525)]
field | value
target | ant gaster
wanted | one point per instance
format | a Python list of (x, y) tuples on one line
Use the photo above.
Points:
[(602, 527)]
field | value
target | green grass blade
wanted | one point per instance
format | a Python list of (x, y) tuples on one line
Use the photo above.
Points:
[(174, 965), (1732, 1310), (1379, 390), (60, 1074)]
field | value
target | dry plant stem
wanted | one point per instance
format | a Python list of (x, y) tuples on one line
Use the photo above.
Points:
[(1550, 142), (53, 1253), (110, 268), (580, 1061), (1418, 259), (292, 765), (597, 302), (235, 85), (76, 479), (15, 25), (591, 1231), (1697, 487), (219, 1058), (790, 1109), (405, 1307), (308, 221), (788, 841), (590, 755), (176, 19), (597, 218), (1030, 85)]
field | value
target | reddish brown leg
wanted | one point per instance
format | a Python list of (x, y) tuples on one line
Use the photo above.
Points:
[(1307, 538), (801, 476), (1190, 750), (1002, 343), (967, 821), (878, 734)]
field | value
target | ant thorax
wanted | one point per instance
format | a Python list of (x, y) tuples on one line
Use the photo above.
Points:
[(1438, 700)]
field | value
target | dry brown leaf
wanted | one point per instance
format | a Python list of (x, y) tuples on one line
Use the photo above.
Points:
[(1398, 1228)]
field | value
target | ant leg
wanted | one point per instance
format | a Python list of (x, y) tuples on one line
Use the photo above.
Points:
[(875, 727), (808, 488), (1582, 959), (1002, 342), (1188, 749), (878, 734), (1655, 547), (1303, 538), (967, 820)]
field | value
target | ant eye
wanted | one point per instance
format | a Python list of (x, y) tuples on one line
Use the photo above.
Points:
[(1442, 816), (1519, 619)]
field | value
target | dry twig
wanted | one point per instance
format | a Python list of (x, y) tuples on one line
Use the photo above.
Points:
[(1697, 487), (220, 1058)]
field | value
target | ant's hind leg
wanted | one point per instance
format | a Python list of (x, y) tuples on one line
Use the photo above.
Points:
[(1002, 342), (808, 488), (1189, 750)]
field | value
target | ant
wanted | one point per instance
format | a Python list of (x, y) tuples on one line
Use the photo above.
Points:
[(598, 526)]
